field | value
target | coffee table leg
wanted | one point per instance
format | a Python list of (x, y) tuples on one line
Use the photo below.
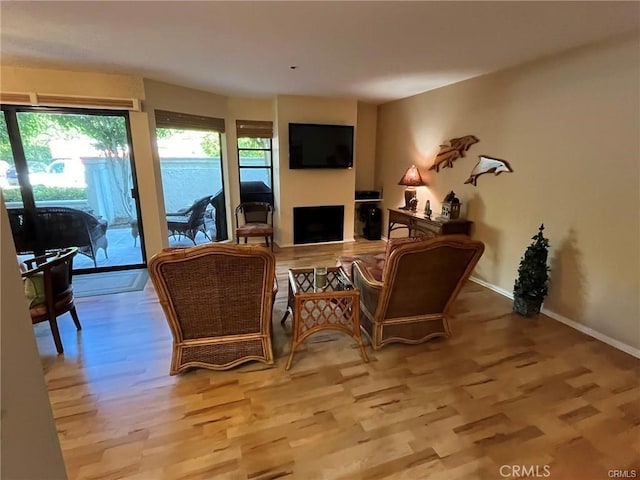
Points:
[(363, 352), (294, 344), (284, 318)]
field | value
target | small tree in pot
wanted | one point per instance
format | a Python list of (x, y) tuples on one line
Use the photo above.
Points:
[(530, 287)]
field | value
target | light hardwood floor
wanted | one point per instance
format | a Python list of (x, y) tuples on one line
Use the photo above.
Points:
[(504, 390)]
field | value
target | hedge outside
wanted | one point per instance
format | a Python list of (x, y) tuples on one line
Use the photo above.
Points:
[(42, 193)]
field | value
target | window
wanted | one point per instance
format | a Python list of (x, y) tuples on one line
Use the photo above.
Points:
[(189, 147), (255, 160)]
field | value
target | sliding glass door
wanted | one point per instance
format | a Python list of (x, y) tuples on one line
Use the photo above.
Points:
[(71, 180)]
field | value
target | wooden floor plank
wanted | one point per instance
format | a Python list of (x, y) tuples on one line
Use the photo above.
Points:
[(503, 390)]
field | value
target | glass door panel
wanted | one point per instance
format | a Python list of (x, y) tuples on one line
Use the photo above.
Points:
[(80, 182), (8, 174), (191, 168)]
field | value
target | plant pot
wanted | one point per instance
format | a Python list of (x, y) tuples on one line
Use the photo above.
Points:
[(527, 307)]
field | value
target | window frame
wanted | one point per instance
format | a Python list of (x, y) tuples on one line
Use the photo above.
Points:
[(250, 167)]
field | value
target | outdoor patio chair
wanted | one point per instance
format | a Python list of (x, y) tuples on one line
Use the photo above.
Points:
[(254, 219), (49, 290), (218, 301), (190, 221), (58, 227)]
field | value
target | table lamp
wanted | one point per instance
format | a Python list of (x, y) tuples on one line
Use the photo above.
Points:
[(411, 180)]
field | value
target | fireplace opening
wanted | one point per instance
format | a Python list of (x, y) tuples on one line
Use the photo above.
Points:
[(318, 224)]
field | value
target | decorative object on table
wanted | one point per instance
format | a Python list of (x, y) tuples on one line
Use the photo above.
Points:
[(450, 207), (427, 209), (530, 287), (449, 153), (487, 165), (319, 278), (419, 224), (411, 179)]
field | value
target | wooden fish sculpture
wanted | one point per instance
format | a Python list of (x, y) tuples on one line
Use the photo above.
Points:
[(462, 144), (487, 165), (450, 153), (446, 156)]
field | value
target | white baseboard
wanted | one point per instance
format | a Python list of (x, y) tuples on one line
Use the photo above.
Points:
[(491, 286), (635, 352)]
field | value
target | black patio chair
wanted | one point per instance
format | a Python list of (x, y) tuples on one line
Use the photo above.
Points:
[(189, 221)]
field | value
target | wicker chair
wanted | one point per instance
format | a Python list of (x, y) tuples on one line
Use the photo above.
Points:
[(218, 301), (254, 219), (189, 221), (53, 272), (420, 280), (59, 227)]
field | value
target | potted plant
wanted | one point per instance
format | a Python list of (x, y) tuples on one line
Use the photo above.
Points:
[(530, 287)]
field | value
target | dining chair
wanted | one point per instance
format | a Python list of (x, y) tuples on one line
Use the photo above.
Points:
[(49, 289), (255, 219)]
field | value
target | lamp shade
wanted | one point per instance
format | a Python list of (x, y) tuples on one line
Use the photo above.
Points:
[(412, 178)]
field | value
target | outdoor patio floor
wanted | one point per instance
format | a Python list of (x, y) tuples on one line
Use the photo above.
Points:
[(122, 251)]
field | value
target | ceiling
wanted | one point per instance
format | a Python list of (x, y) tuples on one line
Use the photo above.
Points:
[(373, 51)]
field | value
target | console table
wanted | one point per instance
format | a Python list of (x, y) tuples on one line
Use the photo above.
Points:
[(416, 221)]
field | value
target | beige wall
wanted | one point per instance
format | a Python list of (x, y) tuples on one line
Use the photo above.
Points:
[(366, 146), (569, 127), (64, 82), (29, 442), (299, 188)]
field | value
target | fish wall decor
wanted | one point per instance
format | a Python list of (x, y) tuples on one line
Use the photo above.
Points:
[(449, 153), (487, 165)]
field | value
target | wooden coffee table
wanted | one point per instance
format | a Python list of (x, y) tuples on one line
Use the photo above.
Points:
[(337, 307)]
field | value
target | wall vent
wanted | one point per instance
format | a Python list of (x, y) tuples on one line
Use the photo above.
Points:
[(51, 100)]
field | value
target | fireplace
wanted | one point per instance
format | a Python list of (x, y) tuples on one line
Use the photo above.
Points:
[(318, 224)]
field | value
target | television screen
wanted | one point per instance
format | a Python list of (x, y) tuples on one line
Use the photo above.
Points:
[(320, 146)]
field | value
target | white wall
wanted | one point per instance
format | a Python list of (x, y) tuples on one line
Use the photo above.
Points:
[(569, 127), (29, 444)]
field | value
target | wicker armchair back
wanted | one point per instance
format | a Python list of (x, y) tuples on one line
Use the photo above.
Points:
[(218, 301), (420, 281)]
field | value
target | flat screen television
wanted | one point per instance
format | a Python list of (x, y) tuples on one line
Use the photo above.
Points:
[(320, 146)]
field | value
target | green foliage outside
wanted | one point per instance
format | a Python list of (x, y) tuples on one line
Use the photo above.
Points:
[(42, 193), (251, 143), (211, 145), (36, 133), (108, 134), (533, 272)]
